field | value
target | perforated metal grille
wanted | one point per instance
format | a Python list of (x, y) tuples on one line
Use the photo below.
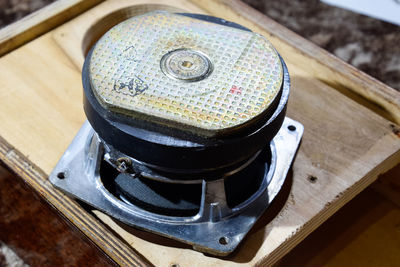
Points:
[(127, 77)]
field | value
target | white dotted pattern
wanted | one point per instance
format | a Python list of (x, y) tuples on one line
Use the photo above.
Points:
[(126, 76)]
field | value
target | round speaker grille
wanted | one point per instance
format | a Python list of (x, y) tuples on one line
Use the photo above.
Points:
[(186, 73)]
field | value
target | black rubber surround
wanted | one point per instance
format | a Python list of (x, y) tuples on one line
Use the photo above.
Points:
[(178, 151)]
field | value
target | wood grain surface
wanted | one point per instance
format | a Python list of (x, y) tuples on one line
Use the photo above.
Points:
[(344, 148), (40, 22), (365, 232)]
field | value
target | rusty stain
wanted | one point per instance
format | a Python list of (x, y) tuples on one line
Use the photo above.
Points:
[(179, 40)]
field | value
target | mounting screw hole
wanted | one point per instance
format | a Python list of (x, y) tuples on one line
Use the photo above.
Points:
[(174, 265), (312, 179), (223, 240), (292, 128), (61, 175)]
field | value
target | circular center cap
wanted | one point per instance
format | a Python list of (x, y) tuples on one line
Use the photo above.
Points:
[(186, 64)]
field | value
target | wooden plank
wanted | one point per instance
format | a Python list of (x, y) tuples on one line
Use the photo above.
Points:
[(41, 21), (365, 233), (34, 177), (345, 146), (319, 63)]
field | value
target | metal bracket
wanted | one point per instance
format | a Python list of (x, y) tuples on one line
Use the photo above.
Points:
[(216, 229)]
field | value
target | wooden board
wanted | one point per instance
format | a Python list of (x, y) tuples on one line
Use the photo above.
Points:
[(41, 21), (365, 232), (344, 148)]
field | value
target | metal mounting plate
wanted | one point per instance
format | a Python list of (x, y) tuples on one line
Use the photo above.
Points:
[(216, 229)]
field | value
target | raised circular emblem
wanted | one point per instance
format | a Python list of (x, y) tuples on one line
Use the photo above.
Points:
[(186, 64)]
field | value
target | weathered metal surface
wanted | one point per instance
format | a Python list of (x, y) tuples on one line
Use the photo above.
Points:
[(182, 71), (216, 229)]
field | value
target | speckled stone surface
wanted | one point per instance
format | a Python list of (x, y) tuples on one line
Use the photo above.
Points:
[(13, 10), (32, 234), (369, 44)]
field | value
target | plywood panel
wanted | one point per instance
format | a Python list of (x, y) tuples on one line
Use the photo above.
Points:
[(40, 22), (345, 146), (365, 232)]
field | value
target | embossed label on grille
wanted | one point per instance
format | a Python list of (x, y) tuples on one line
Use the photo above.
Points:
[(185, 72)]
